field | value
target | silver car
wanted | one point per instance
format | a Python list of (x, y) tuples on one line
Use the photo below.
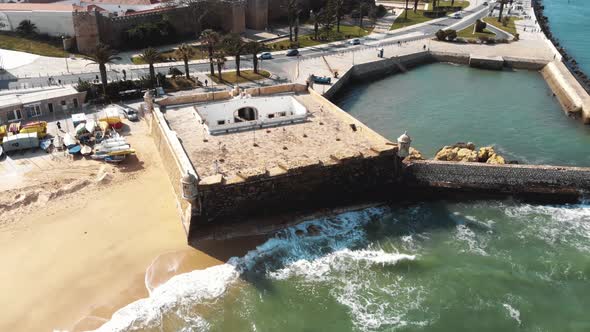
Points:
[(131, 114)]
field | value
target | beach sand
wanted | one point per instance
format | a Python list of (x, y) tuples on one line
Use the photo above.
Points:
[(70, 262)]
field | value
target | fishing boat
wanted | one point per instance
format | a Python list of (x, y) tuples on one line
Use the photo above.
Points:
[(74, 149)]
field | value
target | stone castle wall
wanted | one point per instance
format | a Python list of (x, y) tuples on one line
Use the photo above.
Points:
[(498, 179)]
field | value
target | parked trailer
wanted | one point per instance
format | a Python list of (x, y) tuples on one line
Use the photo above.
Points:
[(20, 142)]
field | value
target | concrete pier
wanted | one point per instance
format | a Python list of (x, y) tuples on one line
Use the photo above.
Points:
[(486, 62)]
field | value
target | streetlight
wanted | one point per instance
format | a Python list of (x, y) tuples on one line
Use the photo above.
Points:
[(63, 40)]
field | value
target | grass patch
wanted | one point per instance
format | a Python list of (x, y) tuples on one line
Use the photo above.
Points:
[(346, 32), (246, 76), (447, 3), (14, 42), (169, 56), (510, 27), (468, 33), (413, 18)]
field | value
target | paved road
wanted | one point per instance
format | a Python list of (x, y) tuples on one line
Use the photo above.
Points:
[(277, 65)]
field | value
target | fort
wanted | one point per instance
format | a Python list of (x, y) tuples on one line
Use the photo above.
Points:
[(236, 157)]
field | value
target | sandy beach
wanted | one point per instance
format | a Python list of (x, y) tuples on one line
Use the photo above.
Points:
[(68, 263)]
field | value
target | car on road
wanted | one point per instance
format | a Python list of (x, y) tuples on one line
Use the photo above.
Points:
[(265, 56), (130, 114), (458, 15), (355, 41), (485, 3), (292, 52)]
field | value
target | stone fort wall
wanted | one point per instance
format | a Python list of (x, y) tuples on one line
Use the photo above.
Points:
[(498, 179)]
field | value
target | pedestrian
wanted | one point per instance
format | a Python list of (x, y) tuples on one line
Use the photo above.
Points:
[(58, 124), (206, 82), (59, 82), (424, 47)]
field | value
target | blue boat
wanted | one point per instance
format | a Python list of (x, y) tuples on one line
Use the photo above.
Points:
[(75, 149)]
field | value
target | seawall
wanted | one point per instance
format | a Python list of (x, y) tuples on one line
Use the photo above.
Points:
[(555, 182)]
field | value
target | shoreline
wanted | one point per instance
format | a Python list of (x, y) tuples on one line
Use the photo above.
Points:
[(570, 62)]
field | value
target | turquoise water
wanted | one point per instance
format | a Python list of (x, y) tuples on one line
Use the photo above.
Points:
[(437, 266), (441, 104), (568, 20)]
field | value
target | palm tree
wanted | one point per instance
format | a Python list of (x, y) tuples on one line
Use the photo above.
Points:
[(502, 2), (406, 9), (102, 55), (254, 48), (416, 5), (292, 13), (150, 56), (338, 5), (211, 39), (26, 27), (234, 46), (316, 19), (219, 58), (362, 9), (185, 52)]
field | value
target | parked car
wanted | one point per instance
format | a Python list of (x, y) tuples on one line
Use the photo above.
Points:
[(131, 114), (292, 52), (265, 56), (355, 41)]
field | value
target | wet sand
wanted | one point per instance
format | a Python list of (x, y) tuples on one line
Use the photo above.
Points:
[(68, 265)]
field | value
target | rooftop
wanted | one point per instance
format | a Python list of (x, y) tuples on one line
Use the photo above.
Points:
[(326, 136), (28, 97)]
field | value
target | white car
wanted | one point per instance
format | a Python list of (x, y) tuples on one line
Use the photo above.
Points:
[(458, 15), (265, 56), (355, 41)]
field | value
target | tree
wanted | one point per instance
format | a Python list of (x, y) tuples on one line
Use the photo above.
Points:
[(185, 52), (416, 5), (480, 25), (234, 46), (338, 10), (327, 19), (441, 35), (150, 56), (102, 55), (211, 39), (26, 28), (451, 34), (292, 13), (254, 48), (362, 9), (406, 10), (315, 19), (502, 2), (219, 58)]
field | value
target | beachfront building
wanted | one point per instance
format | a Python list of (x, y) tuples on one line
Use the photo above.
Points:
[(37, 104)]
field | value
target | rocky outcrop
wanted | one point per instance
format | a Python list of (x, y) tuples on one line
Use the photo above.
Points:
[(466, 152), (414, 155)]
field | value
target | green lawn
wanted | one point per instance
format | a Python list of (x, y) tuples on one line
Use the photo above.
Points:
[(169, 56), (510, 28), (246, 76), (346, 32), (413, 18), (14, 42), (468, 33), (447, 3)]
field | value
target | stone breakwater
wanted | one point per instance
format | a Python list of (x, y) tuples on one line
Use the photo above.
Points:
[(569, 61)]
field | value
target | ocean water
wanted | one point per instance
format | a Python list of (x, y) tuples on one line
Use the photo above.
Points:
[(439, 266), (568, 20), (442, 104)]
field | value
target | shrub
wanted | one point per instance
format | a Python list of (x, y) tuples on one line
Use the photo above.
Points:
[(505, 21), (480, 25), (516, 37), (502, 41), (381, 11), (174, 72), (441, 35), (27, 28), (451, 34), (483, 39)]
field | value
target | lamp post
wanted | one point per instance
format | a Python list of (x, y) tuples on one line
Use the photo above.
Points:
[(63, 40)]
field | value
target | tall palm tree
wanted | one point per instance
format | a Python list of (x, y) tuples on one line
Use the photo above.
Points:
[(316, 19), (416, 5), (502, 2), (362, 9), (185, 52), (26, 27), (254, 48), (102, 55), (219, 58), (150, 56), (292, 13), (338, 8), (406, 9), (234, 46), (211, 39)]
